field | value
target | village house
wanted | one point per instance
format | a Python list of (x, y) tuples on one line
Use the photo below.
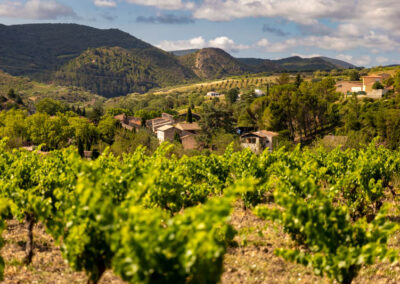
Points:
[(166, 133), (365, 86), (347, 87), (129, 122), (156, 123), (188, 133), (213, 94), (258, 93), (258, 141)]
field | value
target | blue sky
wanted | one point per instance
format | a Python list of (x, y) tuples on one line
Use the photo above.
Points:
[(365, 33)]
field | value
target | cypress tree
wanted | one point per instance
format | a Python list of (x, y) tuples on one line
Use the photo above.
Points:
[(189, 116)]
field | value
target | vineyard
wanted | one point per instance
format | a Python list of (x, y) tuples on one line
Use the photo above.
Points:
[(162, 219), (220, 85)]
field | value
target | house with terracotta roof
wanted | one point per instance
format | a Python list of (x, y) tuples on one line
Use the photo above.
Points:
[(258, 141), (193, 127), (129, 122), (348, 87), (369, 81)]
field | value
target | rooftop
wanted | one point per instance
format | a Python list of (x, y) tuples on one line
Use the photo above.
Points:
[(262, 133), (165, 128), (188, 126)]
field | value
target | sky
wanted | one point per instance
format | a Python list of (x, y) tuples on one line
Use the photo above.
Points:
[(362, 32)]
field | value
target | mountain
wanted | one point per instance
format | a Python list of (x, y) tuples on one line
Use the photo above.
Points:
[(184, 52), (55, 51), (113, 63), (214, 63), (256, 65), (340, 64), (211, 63), (294, 64)]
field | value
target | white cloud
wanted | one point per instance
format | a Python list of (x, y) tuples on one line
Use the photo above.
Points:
[(105, 3), (165, 4), (306, 55), (300, 11), (35, 9), (222, 42), (381, 60), (345, 57), (363, 60)]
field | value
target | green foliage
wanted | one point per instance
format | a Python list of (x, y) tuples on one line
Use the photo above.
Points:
[(116, 71), (107, 128), (232, 95), (215, 117), (189, 116), (185, 248), (50, 106), (378, 86), (354, 75), (336, 246)]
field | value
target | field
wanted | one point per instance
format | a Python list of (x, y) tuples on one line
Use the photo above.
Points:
[(252, 261)]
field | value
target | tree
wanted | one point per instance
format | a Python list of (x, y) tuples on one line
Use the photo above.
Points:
[(189, 116), (283, 79), (50, 106), (377, 86), (216, 117), (11, 94), (96, 114), (298, 81), (233, 95), (354, 75), (107, 128)]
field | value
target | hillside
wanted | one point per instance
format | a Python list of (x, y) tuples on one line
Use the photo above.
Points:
[(31, 91), (37, 49), (114, 63), (294, 64), (116, 71), (211, 63), (256, 65), (40, 50)]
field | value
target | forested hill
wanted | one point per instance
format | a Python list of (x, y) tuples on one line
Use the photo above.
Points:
[(60, 51), (116, 71), (210, 63), (34, 49), (114, 63)]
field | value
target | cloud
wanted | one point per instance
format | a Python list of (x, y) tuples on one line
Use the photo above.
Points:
[(345, 57), (222, 42), (165, 19), (35, 9), (337, 42), (165, 4), (306, 55), (273, 30), (363, 60), (299, 11), (381, 60), (105, 3)]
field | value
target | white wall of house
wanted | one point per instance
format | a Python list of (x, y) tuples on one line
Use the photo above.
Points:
[(356, 89), (161, 136)]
